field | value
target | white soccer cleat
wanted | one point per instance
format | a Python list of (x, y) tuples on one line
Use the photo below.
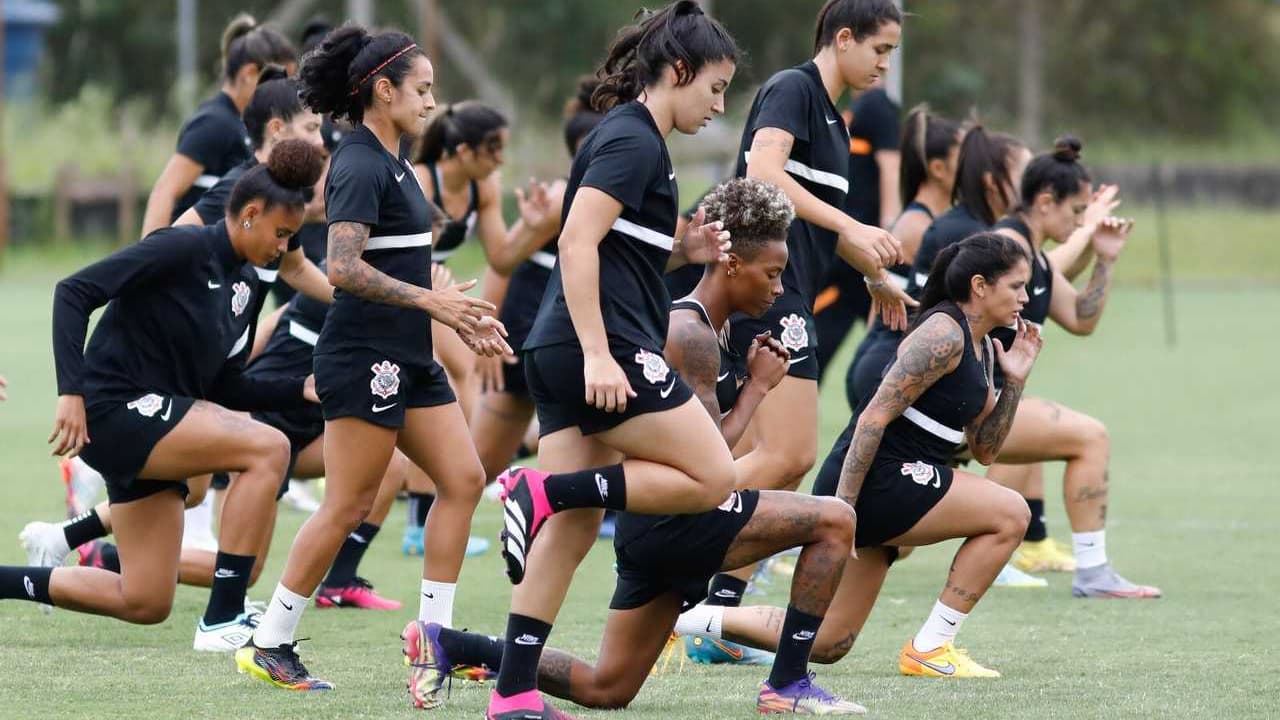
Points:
[(45, 543), (225, 637), (300, 499)]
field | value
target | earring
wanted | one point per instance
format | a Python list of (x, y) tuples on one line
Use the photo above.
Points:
[(247, 224), (732, 273)]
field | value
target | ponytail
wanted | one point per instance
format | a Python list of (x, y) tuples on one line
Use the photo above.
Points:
[(244, 42), (988, 254), (338, 76), (1059, 172), (679, 35), (287, 178), (925, 137), (469, 123), (983, 154)]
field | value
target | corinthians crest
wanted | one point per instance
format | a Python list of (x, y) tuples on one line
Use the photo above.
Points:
[(147, 405), (239, 298), (922, 473), (655, 367), (386, 379), (794, 334)]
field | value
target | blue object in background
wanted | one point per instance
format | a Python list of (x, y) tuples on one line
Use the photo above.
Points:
[(25, 22)]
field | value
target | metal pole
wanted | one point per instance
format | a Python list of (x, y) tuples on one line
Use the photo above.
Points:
[(4, 171), (185, 30), (361, 11), (893, 81), (1030, 71), (429, 28), (1158, 177)]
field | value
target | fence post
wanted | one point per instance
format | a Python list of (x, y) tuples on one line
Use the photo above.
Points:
[(1159, 175)]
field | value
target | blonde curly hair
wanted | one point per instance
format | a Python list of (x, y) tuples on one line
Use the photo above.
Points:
[(753, 211)]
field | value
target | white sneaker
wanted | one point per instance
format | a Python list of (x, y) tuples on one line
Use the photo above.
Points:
[(225, 637), (1012, 577), (299, 498), (45, 543), (83, 485)]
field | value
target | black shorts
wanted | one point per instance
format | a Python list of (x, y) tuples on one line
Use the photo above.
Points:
[(658, 554), (124, 429), (873, 357), (791, 324), (895, 495), (368, 385), (558, 389), (513, 378)]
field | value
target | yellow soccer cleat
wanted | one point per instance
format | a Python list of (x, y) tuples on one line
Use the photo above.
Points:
[(947, 661), (1043, 556)]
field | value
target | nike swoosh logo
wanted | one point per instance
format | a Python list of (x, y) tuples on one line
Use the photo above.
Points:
[(287, 606), (359, 538), (224, 573), (830, 121), (214, 286), (667, 392), (803, 636), (672, 176), (1039, 290), (429, 596), (399, 177), (383, 408), (795, 360), (722, 377), (948, 669), (167, 410), (709, 622), (948, 622), (527, 640)]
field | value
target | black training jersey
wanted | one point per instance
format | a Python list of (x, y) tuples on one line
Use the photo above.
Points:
[(370, 186), (178, 321), (216, 139), (950, 227), (874, 128), (733, 369), (455, 230), (292, 344), (1039, 290), (625, 157), (932, 428), (796, 101)]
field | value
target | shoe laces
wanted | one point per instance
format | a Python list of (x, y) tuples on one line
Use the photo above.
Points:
[(808, 689), (359, 582)]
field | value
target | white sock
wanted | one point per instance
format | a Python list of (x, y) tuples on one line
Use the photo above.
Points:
[(939, 629), (436, 603), (197, 526), (278, 624), (1090, 548), (701, 620)]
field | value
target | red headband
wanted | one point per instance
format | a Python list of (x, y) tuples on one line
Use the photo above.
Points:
[(385, 63)]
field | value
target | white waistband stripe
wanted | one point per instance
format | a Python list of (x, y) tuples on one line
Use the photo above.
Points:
[(244, 340), (933, 426), (822, 177), (305, 334), (921, 279), (544, 259), (265, 275), (396, 242), (644, 234), (206, 181), (899, 280)]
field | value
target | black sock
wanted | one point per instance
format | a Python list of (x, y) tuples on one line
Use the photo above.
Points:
[(521, 652), (82, 528), (419, 506), (110, 557), (25, 583), (791, 662), (230, 583), (466, 648), (596, 488), (1036, 530), (523, 452), (344, 566), (726, 591)]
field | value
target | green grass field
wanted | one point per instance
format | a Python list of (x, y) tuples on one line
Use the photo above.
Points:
[(1193, 510)]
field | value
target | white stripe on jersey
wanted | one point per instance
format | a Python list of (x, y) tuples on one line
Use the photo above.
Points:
[(899, 280), (305, 334), (395, 242), (206, 181), (822, 177), (922, 279), (544, 259), (265, 275), (933, 426), (244, 340), (644, 234)]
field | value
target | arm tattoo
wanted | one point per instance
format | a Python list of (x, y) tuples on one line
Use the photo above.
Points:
[(698, 360), (931, 351), (347, 241), (555, 668), (990, 434), (781, 141), (1089, 303)]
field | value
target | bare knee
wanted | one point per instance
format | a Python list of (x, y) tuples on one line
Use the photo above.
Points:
[(1092, 438), (716, 482), (270, 452), (345, 513), (147, 610), (1012, 514), (836, 522), (606, 695), (789, 463), (463, 488)]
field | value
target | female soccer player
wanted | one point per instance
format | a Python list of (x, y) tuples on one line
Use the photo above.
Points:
[(593, 360), (379, 387), (795, 139), (458, 164), (214, 140), (1054, 197), (893, 463), (145, 401), (275, 113), (656, 578)]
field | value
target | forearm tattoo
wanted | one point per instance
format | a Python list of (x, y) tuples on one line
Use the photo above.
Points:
[(928, 353), (990, 434), (1089, 303), (554, 670), (347, 241)]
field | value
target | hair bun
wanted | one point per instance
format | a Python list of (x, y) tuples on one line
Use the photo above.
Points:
[(688, 7), (272, 72), (1067, 148), (295, 164)]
